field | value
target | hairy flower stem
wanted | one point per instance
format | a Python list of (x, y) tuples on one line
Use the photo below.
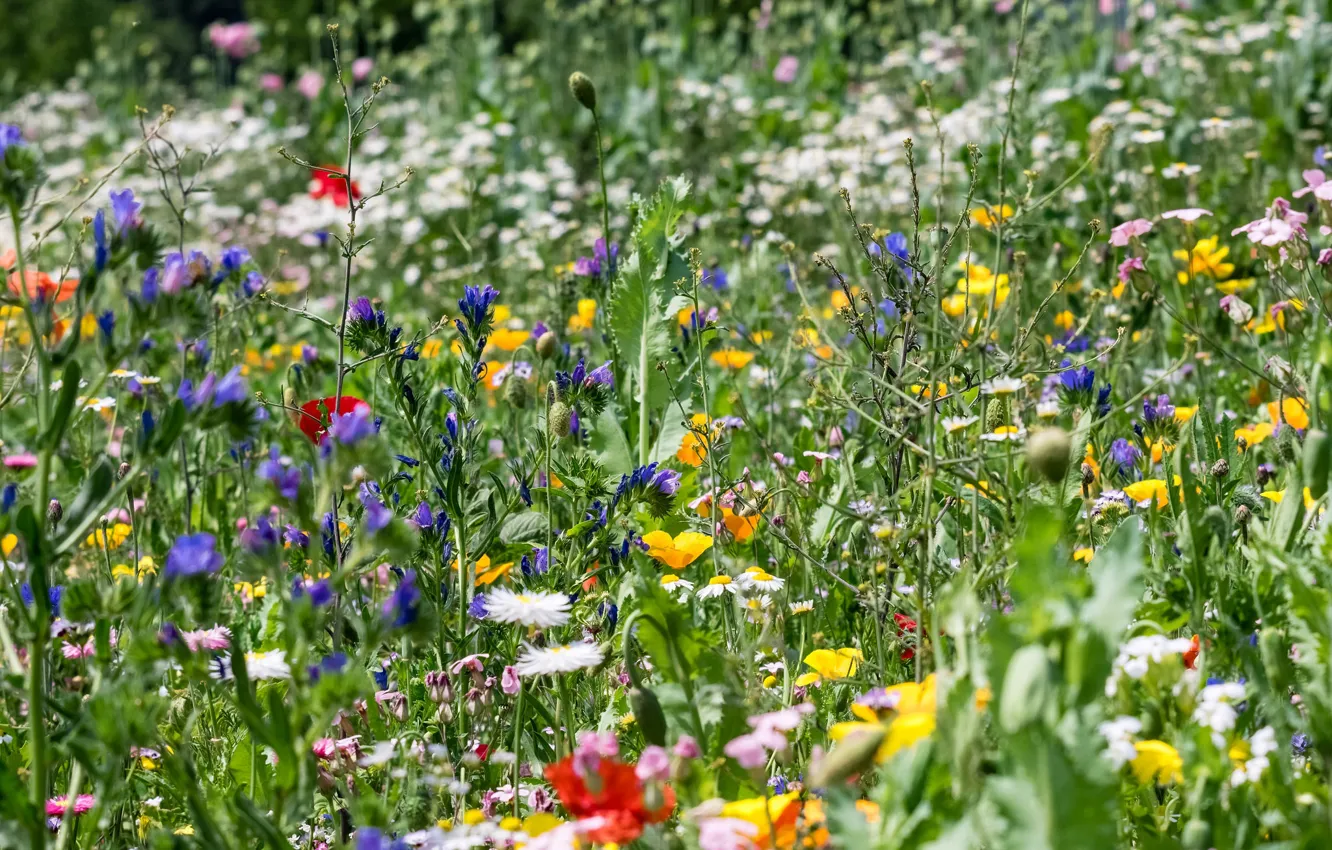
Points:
[(605, 200), (39, 769)]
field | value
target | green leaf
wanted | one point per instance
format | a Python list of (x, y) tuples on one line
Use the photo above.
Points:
[(607, 441), (673, 430), (1025, 689), (523, 527), (1116, 574), (69, 390)]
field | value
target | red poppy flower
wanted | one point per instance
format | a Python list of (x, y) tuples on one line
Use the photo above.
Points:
[(317, 413), (329, 183), (40, 286), (618, 800), (1191, 654), (905, 627)]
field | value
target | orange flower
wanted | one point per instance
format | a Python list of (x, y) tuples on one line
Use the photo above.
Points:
[(730, 358), (40, 287), (508, 340), (1293, 411), (693, 450)]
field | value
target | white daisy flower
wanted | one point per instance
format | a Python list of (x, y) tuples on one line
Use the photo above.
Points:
[(544, 661), (716, 586), (760, 579), (267, 665), (672, 583), (953, 424), (1047, 409), (1001, 386), (97, 405), (1004, 433), (804, 606), (541, 609), (149, 380)]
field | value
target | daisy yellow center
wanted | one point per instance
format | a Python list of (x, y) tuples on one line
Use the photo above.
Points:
[(719, 580), (669, 579)]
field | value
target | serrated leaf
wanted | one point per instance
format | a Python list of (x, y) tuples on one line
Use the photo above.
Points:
[(523, 527)]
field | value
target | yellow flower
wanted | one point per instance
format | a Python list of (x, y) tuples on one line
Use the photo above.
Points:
[(1277, 496), (502, 314), (679, 552), (831, 664), (1084, 554), (730, 358), (1239, 284), (1255, 434), (7, 544), (431, 348), (249, 592), (693, 450), (493, 574), (539, 824), (988, 217), (1064, 321), (585, 317), (1157, 761), (1184, 414), (741, 527), (108, 538), (1293, 411), (1206, 258), (1141, 491), (508, 340), (911, 719)]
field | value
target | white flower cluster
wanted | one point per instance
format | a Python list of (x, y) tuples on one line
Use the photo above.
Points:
[(1217, 708), (1118, 734), (1261, 744), (1138, 654)]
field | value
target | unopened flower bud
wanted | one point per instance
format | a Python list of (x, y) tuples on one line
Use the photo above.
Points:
[(580, 85), (54, 511), (559, 419), (1221, 468), (1047, 453), (515, 391), (546, 345), (122, 471), (1243, 515), (1088, 475)]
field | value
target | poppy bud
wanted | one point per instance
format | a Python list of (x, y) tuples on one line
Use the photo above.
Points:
[(853, 755), (515, 391), (1047, 453), (1317, 461), (580, 85), (546, 345), (559, 419), (996, 414), (293, 409), (648, 714)]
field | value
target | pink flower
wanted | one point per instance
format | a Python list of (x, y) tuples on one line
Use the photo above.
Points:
[(654, 763), (747, 750), (1186, 214), (1120, 236), (394, 702), (237, 40), (687, 748), (509, 682), (324, 748), (471, 662), (310, 84), (218, 637), (726, 834), (74, 651), (23, 461), (57, 806), (786, 69), (592, 748), (1129, 266), (362, 67), (1325, 257), (1317, 183), (270, 82)]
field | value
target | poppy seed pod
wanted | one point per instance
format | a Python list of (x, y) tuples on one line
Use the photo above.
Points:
[(854, 754), (546, 345), (580, 85), (1048, 452)]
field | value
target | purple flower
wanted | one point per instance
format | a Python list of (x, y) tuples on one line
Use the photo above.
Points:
[(10, 136), (231, 389), (193, 554), (363, 312), (101, 251), (666, 482), (320, 592), (377, 515), (1124, 455), (477, 607), (260, 537), (423, 519), (125, 210), (715, 277), (253, 284), (400, 609), (295, 537), (234, 257), (350, 428), (1161, 410), (287, 480), (476, 303), (175, 274), (601, 376)]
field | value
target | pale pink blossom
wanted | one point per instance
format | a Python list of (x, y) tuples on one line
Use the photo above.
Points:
[(362, 67), (1120, 236), (786, 69), (470, 662), (310, 84), (726, 834), (654, 763), (509, 682), (270, 82), (1317, 183), (1128, 267), (1186, 214), (218, 637), (237, 40), (687, 748)]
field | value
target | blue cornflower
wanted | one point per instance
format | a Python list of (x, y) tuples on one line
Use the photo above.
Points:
[(350, 428), (1124, 455), (233, 258), (477, 607), (230, 389), (193, 554)]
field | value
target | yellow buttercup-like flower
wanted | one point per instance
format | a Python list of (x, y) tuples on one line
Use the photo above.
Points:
[(585, 317), (1255, 434), (988, 217), (693, 449), (1149, 488), (109, 538), (1207, 258), (905, 713), (1292, 411), (730, 358), (1157, 761), (508, 340), (831, 665), (676, 552)]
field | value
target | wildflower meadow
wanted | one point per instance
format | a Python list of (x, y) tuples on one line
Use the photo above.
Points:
[(771, 425)]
